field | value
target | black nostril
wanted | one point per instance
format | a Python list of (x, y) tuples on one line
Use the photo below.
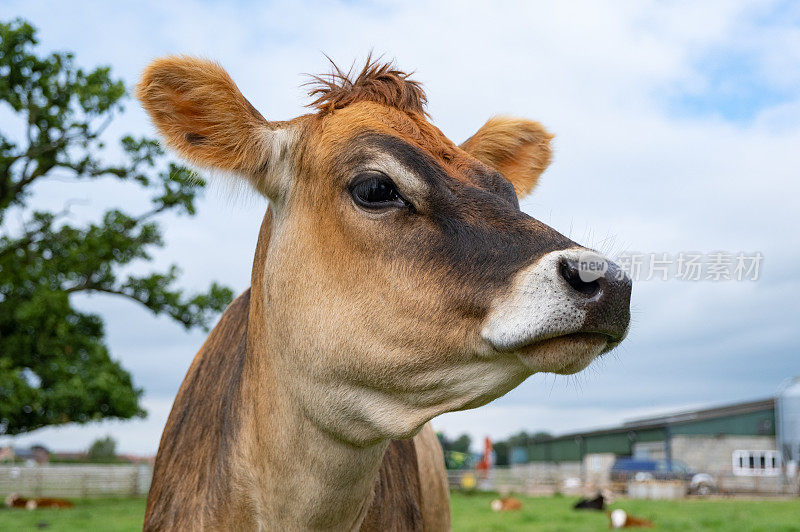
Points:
[(570, 272)]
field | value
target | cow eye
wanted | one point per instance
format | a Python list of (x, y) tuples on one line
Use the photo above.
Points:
[(373, 190)]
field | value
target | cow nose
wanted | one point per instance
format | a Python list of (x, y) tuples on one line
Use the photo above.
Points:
[(604, 290), (572, 292), (586, 284)]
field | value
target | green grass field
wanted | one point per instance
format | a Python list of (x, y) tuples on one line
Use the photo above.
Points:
[(112, 515), (472, 513)]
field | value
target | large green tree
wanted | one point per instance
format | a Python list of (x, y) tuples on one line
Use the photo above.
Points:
[(54, 365)]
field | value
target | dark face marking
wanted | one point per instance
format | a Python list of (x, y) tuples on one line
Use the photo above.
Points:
[(194, 139), (425, 167), (493, 181), (471, 232)]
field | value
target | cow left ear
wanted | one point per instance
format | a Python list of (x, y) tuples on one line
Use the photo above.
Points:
[(517, 148), (201, 114)]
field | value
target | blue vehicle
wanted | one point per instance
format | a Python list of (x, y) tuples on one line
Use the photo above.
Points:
[(625, 469)]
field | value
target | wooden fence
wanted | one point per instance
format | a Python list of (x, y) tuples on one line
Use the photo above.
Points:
[(75, 480), (568, 478), (535, 478)]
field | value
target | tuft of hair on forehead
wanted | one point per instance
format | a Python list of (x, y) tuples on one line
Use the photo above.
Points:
[(378, 82)]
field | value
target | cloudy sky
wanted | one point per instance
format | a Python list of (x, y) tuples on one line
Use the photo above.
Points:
[(678, 130)]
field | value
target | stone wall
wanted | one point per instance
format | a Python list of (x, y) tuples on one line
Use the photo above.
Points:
[(597, 470), (715, 453), (650, 450)]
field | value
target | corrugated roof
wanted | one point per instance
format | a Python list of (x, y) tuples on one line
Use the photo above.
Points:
[(683, 416), (701, 415)]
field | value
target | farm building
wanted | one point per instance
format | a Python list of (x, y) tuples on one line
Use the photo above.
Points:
[(703, 439), (736, 442)]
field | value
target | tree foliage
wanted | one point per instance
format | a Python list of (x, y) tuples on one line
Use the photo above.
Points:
[(102, 450), (456, 452), (54, 365), (459, 445), (503, 448)]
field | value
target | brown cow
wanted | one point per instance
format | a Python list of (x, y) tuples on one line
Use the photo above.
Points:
[(15, 501), (395, 279), (506, 504)]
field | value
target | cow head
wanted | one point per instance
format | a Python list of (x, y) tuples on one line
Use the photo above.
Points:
[(397, 277)]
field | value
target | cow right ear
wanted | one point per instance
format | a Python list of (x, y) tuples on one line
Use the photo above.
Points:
[(203, 116), (517, 148)]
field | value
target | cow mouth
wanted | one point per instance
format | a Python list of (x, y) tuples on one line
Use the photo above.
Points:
[(566, 353)]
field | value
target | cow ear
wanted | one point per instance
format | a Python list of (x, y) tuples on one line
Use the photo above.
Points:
[(201, 114), (517, 148)]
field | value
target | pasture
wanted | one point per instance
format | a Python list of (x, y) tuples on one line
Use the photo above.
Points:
[(107, 515), (471, 513)]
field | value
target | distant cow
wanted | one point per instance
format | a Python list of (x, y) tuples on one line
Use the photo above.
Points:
[(506, 504), (621, 519), (15, 501), (598, 503)]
